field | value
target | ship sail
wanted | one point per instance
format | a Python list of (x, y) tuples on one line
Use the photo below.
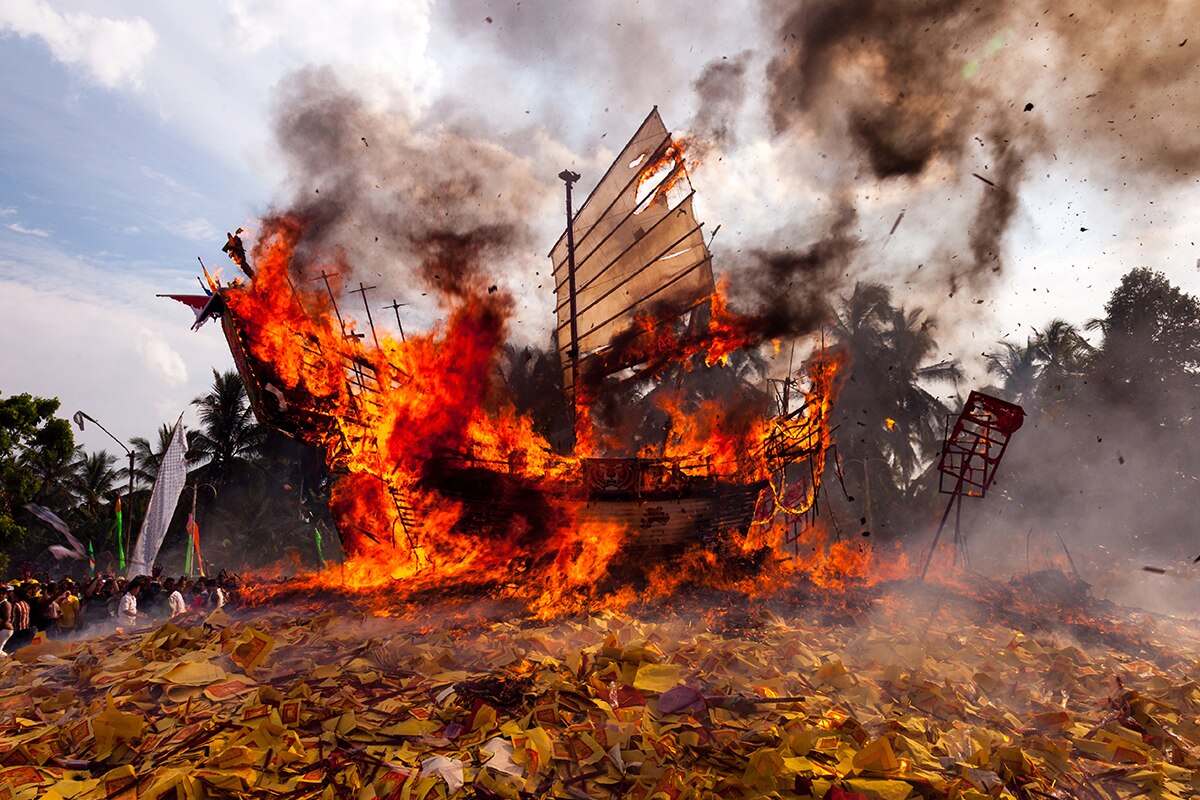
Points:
[(637, 246)]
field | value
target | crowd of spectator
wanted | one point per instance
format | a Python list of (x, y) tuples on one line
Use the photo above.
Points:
[(63, 608)]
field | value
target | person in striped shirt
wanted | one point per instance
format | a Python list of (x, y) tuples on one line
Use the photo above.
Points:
[(22, 629), (7, 597)]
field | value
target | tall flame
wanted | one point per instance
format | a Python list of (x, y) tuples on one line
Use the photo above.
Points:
[(441, 482)]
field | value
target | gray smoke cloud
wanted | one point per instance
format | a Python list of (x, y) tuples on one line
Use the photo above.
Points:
[(418, 212), (787, 289), (944, 92), (721, 90), (887, 79)]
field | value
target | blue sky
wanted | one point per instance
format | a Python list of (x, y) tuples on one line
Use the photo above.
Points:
[(133, 136)]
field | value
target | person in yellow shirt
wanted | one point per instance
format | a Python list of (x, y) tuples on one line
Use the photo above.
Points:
[(68, 605)]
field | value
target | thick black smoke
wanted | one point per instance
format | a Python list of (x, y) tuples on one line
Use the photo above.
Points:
[(894, 79), (788, 291), (417, 210), (721, 92), (936, 91), (882, 70)]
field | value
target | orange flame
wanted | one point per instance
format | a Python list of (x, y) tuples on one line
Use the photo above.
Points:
[(441, 483), (665, 171)]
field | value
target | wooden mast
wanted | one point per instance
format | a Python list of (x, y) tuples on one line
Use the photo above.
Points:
[(569, 179)]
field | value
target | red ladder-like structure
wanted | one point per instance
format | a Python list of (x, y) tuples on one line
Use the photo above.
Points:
[(971, 455)]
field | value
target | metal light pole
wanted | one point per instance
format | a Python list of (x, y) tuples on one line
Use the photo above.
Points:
[(79, 417)]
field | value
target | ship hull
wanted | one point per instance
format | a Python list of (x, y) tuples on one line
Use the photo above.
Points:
[(663, 506), (670, 523)]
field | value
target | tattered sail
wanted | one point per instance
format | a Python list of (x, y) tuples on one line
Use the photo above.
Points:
[(637, 246), (168, 484)]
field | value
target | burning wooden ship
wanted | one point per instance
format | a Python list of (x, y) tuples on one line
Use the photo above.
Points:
[(433, 465)]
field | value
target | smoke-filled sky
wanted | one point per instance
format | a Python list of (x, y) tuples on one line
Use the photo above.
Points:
[(1036, 152)]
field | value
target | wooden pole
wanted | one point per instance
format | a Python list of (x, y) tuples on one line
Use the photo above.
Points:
[(363, 291), (941, 526), (396, 307), (569, 179)]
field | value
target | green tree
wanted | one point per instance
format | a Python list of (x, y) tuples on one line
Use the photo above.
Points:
[(229, 439), (533, 378), (36, 449), (147, 457), (889, 423), (1065, 357), (1048, 369), (1018, 368), (1113, 453), (92, 484), (1151, 341), (888, 378)]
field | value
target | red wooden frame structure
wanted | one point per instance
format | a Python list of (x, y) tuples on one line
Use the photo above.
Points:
[(971, 456)]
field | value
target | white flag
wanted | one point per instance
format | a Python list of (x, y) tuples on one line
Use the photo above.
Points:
[(172, 475)]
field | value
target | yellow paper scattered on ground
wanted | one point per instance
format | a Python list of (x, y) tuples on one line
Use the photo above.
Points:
[(276, 704)]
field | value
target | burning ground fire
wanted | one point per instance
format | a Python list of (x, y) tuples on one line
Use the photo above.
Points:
[(422, 428)]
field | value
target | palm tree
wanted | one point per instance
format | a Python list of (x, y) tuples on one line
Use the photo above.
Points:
[(1019, 368), (534, 381), (1065, 357), (92, 482), (889, 422), (918, 413), (1051, 360), (229, 438), (147, 457), (54, 470), (889, 349)]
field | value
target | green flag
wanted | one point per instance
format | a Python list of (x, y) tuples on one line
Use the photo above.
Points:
[(187, 558), (91, 561), (120, 544), (320, 555)]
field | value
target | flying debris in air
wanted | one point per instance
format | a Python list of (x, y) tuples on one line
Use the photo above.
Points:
[(364, 141), (985, 180), (59, 552), (237, 252)]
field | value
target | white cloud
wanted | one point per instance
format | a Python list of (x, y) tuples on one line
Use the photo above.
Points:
[(17, 227), (169, 182), (114, 52), (7, 211), (161, 357), (381, 42), (196, 229), (98, 339)]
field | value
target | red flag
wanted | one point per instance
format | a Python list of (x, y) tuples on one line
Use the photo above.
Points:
[(194, 532), (196, 302), (203, 306)]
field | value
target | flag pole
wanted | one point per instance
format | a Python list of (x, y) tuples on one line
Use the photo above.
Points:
[(128, 538), (193, 532)]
